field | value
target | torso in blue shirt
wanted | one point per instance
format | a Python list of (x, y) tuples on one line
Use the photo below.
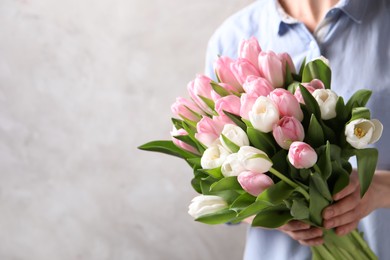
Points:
[(355, 37)]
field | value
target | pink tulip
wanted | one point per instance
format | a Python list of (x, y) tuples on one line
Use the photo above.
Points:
[(273, 67), (209, 129), (311, 87), (288, 130), (315, 83), (228, 87), (222, 67), (243, 68), (229, 103), (180, 143), (286, 103), (201, 86), (301, 155), (250, 50), (254, 183), (286, 58), (247, 102), (258, 85), (185, 108)]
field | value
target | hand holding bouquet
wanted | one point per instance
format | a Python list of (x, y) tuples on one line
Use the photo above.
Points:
[(267, 141)]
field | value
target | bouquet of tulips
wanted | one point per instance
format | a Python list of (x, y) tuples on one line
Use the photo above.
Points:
[(266, 141)]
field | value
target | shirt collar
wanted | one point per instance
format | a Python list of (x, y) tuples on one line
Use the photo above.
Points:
[(355, 9)]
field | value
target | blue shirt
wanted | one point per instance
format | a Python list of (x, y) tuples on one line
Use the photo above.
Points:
[(355, 37)]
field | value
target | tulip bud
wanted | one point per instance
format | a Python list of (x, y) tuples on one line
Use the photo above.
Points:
[(327, 101), (186, 109), (301, 155), (222, 67), (254, 183), (247, 102), (229, 103), (242, 69), (206, 204), (254, 159), (362, 132), (287, 104), (235, 134), (232, 166), (250, 50), (264, 114), (213, 157), (257, 85), (180, 143), (201, 87), (273, 67), (209, 129), (288, 130)]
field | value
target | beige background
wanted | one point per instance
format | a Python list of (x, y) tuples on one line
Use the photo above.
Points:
[(82, 84)]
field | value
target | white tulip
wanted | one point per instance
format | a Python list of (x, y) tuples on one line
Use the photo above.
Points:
[(264, 114), (232, 166), (362, 132), (206, 204), (235, 134), (254, 159), (214, 156), (327, 100)]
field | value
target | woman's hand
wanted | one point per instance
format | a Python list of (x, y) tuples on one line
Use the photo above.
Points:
[(303, 233), (349, 209), (345, 214)]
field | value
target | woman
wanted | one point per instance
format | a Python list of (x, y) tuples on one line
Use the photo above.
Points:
[(354, 36)]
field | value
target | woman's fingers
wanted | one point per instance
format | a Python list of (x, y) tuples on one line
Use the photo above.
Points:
[(351, 187), (303, 233)]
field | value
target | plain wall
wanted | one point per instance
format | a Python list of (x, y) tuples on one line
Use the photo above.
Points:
[(82, 84)]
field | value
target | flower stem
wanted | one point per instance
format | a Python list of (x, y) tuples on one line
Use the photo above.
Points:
[(289, 182)]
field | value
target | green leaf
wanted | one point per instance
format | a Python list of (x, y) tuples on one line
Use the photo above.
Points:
[(216, 173), (243, 201), (194, 161), (209, 102), (236, 119), (324, 161), (358, 99), (228, 183), (299, 209), (177, 123), (316, 205), (261, 141), (251, 210), (366, 164), (219, 89), (317, 69), (219, 217), (289, 78), (280, 163), (232, 146), (272, 217), (310, 102), (340, 178), (315, 134), (167, 147), (293, 86), (321, 185), (302, 67), (186, 139), (360, 112), (341, 111), (195, 183), (276, 194)]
